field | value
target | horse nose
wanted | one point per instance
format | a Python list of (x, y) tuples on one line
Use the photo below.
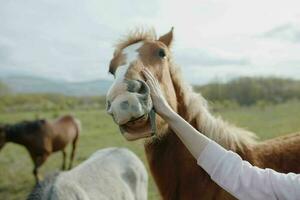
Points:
[(125, 108), (138, 86), (129, 102)]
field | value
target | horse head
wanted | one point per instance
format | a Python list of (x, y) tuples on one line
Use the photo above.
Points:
[(128, 100), (2, 136)]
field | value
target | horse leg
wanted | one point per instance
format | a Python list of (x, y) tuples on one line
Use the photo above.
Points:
[(63, 167), (38, 161), (35, 174), (74, 145)]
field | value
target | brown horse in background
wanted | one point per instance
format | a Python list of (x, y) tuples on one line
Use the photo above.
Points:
[(175, 170), (42, 137)]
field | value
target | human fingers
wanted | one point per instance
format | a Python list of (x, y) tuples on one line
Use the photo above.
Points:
[(149, 76), (149, 80)]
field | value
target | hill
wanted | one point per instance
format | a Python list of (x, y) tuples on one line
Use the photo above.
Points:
[(28, 84)]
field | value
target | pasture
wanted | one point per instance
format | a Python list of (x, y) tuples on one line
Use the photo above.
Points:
[(99, 131)]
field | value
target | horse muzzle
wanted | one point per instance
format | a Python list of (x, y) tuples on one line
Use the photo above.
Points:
[(132, 109)]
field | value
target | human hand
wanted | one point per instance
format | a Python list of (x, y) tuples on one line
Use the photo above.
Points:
[(159, 102)]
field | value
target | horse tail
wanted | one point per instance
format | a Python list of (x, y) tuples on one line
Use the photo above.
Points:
[(75, 140), (78, 126)]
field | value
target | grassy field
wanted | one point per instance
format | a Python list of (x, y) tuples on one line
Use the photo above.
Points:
[(16, 179)]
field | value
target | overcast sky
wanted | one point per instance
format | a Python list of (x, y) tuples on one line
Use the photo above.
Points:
[(214, 39)]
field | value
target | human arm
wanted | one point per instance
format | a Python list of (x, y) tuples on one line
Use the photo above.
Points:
[(245, 181)]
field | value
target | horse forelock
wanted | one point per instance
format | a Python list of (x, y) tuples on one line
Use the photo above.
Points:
[(134, 37)]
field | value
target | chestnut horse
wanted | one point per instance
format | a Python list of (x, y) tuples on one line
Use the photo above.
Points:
[(175, 171), (42, 137)]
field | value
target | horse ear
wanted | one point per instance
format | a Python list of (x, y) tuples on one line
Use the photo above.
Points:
[(167, 38)]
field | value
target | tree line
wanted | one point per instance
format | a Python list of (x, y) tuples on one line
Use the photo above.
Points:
[(247, 91)]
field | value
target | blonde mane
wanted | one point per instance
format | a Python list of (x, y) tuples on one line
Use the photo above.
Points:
[(196, 109)]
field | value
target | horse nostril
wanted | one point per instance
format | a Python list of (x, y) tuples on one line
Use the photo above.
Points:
[(133, 86), (124, 105), (137, 86), (144, 88)]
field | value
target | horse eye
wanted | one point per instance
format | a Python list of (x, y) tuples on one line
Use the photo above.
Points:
[(161, 53)]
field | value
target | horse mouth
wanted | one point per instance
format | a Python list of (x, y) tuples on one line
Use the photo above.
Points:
[(141, 127), (137, 120)]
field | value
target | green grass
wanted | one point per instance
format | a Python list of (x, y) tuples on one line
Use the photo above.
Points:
[(272, 121), (99, 131)]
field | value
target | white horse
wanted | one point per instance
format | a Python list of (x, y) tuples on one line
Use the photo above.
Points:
[(111, 173)]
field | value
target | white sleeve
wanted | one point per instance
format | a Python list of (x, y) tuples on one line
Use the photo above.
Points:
[(244, 181)]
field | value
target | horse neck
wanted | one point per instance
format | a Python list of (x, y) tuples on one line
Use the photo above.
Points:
[(13, 135), (164, 154), (174, 169)]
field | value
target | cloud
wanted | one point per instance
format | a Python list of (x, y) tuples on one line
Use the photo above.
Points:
[(200, 57), (287, 32), (203, 75), (72, 39), (55, 39), (5, 53)]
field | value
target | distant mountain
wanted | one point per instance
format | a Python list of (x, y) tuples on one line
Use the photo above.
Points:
[(28, 84)]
